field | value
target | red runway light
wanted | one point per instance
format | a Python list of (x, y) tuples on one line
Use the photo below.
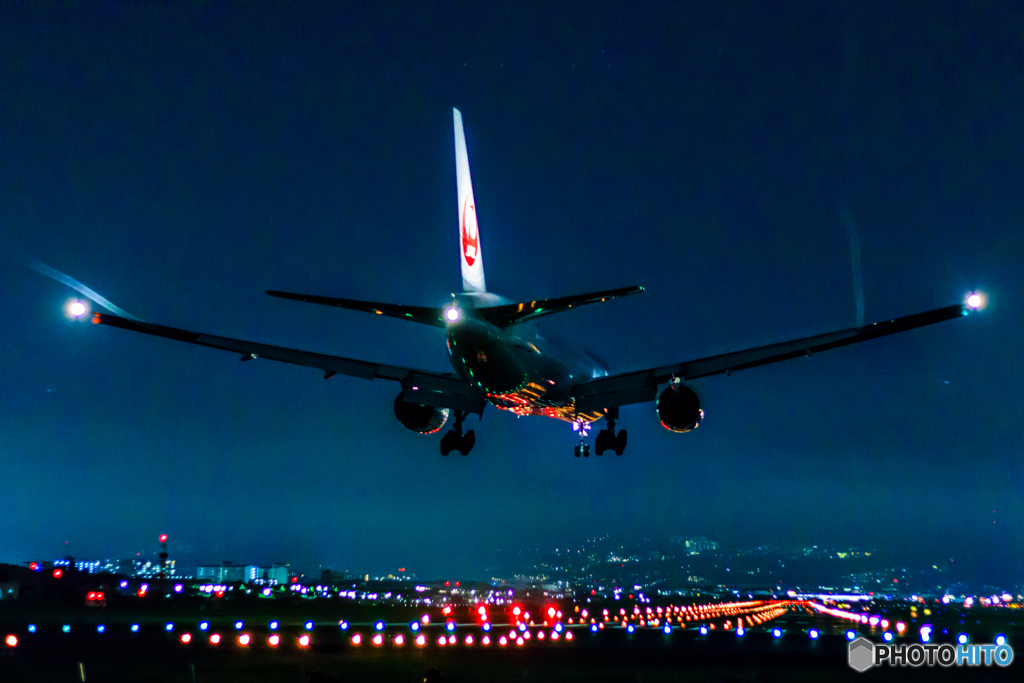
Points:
[(58, 572), (11, 640), (186, 638)]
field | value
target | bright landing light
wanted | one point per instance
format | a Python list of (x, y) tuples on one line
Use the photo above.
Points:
[(76, 309), (452, 314), (976, 301)]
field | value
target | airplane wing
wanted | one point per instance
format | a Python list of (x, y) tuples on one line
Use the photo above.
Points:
[(642, 386), (420, 314), (441, 390)]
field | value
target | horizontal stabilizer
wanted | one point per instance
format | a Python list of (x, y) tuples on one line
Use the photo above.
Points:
[(511, 314), (419, 314)]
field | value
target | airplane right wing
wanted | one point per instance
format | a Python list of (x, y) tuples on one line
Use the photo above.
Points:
[(642, 386), (441, 390)]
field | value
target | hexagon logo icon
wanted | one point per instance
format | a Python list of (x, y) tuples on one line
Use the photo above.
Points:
[(862, 654)]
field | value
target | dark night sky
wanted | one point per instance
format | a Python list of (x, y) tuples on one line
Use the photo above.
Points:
[(182, 161)]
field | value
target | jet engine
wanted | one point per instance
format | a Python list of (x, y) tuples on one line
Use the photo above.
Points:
[(679, 409), (420, 418)]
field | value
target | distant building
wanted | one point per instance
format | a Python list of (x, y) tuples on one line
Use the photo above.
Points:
[(696, 545), (222, 573), (242, 573)]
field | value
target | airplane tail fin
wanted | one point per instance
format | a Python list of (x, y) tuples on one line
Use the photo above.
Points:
[(469, 236)]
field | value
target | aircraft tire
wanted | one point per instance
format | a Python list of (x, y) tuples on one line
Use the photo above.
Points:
[(620, 442), (586, 450), (576, 450), (601, 442), (467, 442)]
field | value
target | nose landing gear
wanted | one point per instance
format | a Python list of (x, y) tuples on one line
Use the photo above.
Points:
[(607, 439), (582, 448), (455, 440)]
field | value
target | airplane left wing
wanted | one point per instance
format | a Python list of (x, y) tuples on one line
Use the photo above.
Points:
[(642, 386), (441, 390)]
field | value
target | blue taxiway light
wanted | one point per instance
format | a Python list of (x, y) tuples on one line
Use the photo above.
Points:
[(343, 625), (239, 625), (851, 635), (273, 625), (66, 628), (169, 626), (667, 630), (887, 636), (487, 626), (32, 629), (962, 639), (414, 626), (101, 628), (777, 633), (203, 625), (593, 628), (135, 628), (451, 625), (813, 634), (379, 626), (309, 625)]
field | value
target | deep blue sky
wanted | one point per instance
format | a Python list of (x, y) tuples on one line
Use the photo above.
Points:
[(180, 161)]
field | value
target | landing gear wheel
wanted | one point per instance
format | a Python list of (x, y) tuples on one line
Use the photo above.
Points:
[(620, 443), (455, 440), (586, 450), (466, 442), (577, 450), (601, 442)]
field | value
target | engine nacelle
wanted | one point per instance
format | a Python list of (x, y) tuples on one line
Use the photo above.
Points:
[(679, 409), (419, 418)]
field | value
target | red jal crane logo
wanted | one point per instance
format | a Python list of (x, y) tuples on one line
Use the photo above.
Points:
[(470, 237)]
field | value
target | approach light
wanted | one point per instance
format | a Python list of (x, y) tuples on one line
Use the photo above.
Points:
[(452, 314), (486, 640)]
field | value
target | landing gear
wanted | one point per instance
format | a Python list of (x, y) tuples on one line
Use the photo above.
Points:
[(582, 449), (455, 440), (607, 439)]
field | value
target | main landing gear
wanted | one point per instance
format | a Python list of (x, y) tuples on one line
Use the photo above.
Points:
[(607, 439), (455, 440)]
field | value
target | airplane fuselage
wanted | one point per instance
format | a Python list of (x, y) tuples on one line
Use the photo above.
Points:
[(520, 368)]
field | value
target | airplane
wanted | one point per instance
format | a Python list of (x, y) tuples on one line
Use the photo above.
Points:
[(501, 357)]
